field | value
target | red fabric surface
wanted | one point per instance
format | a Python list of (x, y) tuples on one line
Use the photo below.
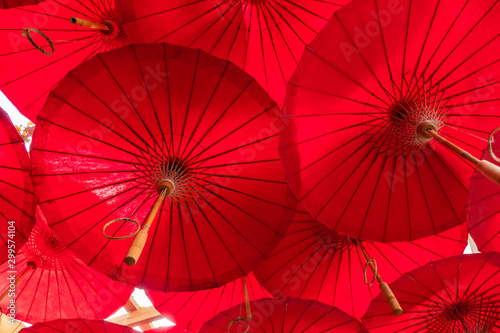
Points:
[(191, 310), (28, 75), (6, 4), (314, 262), (17, 200), (78, 326), (211, 129), (483, 206), (264, 38), (62, 287), (459, 294), (378, 69), (286, 315)]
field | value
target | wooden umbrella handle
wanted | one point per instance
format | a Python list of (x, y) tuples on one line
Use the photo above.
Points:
[(26, 270), (88, 24), (135, 249)]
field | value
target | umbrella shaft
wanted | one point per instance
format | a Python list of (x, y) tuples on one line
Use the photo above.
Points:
[(88, 24), (367, 258), (453, 147)]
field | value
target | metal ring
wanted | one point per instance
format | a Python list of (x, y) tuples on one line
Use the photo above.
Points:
[(26, 33), (121, 237), (374, 273), (236, 320), (490, 147)]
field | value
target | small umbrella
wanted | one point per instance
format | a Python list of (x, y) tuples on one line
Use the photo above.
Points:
[(189, 154), (78, 326), (285, 315), (51, 283), (40, 45), (191, 310), (314, 262), (6, 4), (380, 80), (264, 38), (483, 205), (17, 200), (458, 294)]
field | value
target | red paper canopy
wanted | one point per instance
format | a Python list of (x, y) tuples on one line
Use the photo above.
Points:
[(61, 286), (78, 326), (264, 38), (314, 262), (17, 200), (483, 206), (352, 146), (458, 294), (28, 74), (286, 315), (191, 310), (129, 119)]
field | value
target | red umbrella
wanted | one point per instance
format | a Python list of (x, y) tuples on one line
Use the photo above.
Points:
[(191, 310), (380, 80), (6, 4), (197, 147), (264, 38), (17, 201), (314, 262), (78, 326), (40, 46), (286, 315), (459, 294), (51, 283), (483, 205)]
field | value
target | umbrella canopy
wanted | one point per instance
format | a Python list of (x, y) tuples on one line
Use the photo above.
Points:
[(191, 310), (286, 315), (380, 80), (17, 199), (314, 262), (40, 46), (483, 206), (459, 294), (121, 138), (6, 4), (53, 284), (78, 326), (264, 38)]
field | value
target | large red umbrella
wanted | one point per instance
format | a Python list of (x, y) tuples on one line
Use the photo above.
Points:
[(264, 38), (483, 206), (78, 326), (191, 310), (380, 80), (6, 4), (40, 46), (17, 199), (286, 315), (314, 262), (459, 294), (181, 142), (51, 283)]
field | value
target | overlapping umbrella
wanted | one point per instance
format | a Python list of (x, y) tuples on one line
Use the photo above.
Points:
[(264, 38), (458, 294), (380, 80), (17, 199), (40, 46), (314, 262), (51, 283), (6, 4), (483, 205), (285, 315), (191, 156), (79, 326), (191, 310)]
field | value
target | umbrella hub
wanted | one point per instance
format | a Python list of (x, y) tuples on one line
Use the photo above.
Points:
[(114, 37), (405, 118), (473, 318), (45, 250), (331, 240)]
